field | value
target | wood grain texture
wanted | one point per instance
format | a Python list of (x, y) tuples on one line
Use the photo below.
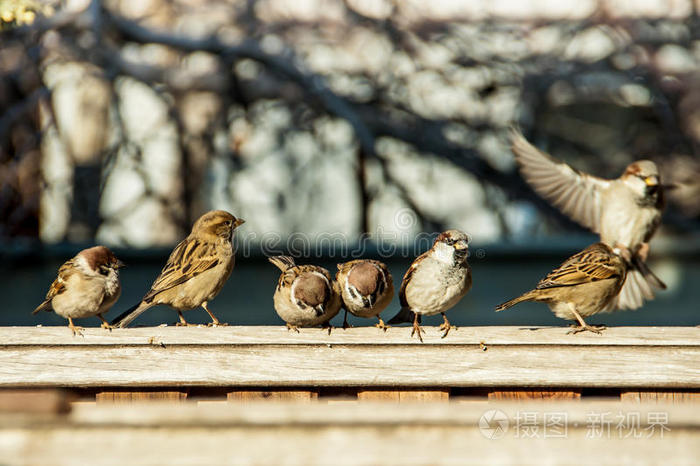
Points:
[(496, 357), (660, 397), (535, 395), (319, 434), (131, 397), (404, 396), (248, 396)]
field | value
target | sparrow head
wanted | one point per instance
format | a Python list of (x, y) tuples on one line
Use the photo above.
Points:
[(452, 246), (311, 290), (99, 260), (216, 223), (366, 279), (643, 178)]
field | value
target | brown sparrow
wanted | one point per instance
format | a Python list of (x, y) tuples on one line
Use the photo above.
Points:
[(306, 295), (366, 289), (87, 285), (625, 211), (436, 281), (582, 286), (196, 270)]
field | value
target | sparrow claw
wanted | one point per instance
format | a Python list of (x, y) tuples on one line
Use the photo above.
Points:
[(185, 324), (446, 327), (582, 328), (107, 326), (217, 324), (327, 326), (77, 331), (292, 327), (381, 325), (417, 329)]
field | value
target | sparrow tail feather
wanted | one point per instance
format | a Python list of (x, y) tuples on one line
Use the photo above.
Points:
[(405, 315), (45, 306), (130, 314), (282, 262), (513, 302)]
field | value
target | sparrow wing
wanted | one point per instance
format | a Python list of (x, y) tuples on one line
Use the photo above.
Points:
[(575, 193), (407, 278), (57, 287), (593, 264), (189, 258)]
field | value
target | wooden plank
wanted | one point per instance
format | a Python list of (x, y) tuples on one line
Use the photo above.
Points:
[(248, 396), (271, 433), (35, 401), (535, 395), (404, 396), (268, 335), (486, 357), (139, 396), (665, 397)]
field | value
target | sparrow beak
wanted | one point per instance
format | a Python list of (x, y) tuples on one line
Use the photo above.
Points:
[(651, 180), (119, 264), (461, 245), (238, 222)]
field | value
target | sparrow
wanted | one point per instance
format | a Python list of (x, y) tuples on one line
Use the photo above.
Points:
[(196, 270), (582, 286), (306, 295), (435, 281), (87, 285), (625, 212), (366, 289)]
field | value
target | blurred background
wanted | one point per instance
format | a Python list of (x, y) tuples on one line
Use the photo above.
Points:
[(337, 129)]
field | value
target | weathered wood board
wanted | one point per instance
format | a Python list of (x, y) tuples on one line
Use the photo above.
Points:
[(633, 358), (366, 433)]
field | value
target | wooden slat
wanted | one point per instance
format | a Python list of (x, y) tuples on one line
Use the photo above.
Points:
[(365, 433), (535, 395), (248, 396), (404, 396), (665, 397), (495, 357), (131, 397), (35, 401)]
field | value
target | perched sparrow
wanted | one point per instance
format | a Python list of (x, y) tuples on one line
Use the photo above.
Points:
[(582, 286), (306, 295), (87, 285), (625, 211), (366, 288), (436, 281), (196, 270)]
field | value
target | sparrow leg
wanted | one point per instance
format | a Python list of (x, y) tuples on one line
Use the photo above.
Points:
[(74, 328), (446, 326), (583, 326), (326, 326), (183, 322), (105, 324), (214, 321), (292, 327), (345, 320), (381, 324), (416, 328)]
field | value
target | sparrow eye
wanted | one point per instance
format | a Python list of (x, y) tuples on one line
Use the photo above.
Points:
[(228, 223)]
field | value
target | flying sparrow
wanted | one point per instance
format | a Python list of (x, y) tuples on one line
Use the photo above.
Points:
[(582, 286), (625, 211), (436, 281), (87, 285), (196, 270), (366, 288), (306, 295)]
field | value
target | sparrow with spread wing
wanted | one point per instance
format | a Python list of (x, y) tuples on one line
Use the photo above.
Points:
[(435, 281), (583, 285), (366, 288), (306, 295), (87, 285), (625, 211), (196, 270)]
